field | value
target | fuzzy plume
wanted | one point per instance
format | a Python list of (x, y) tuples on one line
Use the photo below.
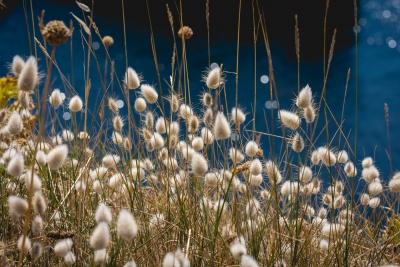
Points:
[(304, 99), (36, 251), (238, 116), (17, 205), (103, 214), (132, 79), (110, 161), (37, 225), (149, 93), (57, 156), (75, 104), (140, 104), (63, 246), (214, 79), (251, 148), (100, 236), (222, 129), (100, 256), (70, 258), (27, 245), (289, 119), (297, 143), (16, 165), (17, 65), (14, 123), (199, 164), (126, 225), (32, 180), (55, 98), (29, 75)]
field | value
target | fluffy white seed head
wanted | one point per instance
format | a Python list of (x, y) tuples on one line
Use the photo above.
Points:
[(222, 129), (110, 161), (309, 114), (238, 250), (207, 100), (17, 205), (304, 99), (158, 141), (342, 157), (160, 125), (199, 164), (375, 188), (297, 143), (374, 202), (100, 256), (126, 225), (75, 104), (364, 199), (27, 245), (208, 117), (117, 138), (256, 180), (197, 143), (39, 203), (186, 111), (68, 135), (132, 79), (235, 155), (29, 75), (149, 93), (251, 148), (174, 103), (100, 236), (255, 167), (214, 79), (350, 169), (324, 245), (14, 123), (273, 173), (17, 65), (130, 264), (140, 104), (207, 136), (238, 116), (327, 156), (367, 162), (55, 98), (112, 104), (118, 123), (57, 156), (322, 213), (63, 247), (370, 174), (103, 214), (305, 174), (41, 158), (211, 179), (394, 184), (36, 251), (70, 258), (248, 261), (32, 180), (289, 119), (16, 165)]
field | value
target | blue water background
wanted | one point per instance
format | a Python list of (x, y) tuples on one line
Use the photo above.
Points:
[(378, 71)]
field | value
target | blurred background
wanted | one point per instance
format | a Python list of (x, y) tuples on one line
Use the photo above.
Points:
[(378, 28)]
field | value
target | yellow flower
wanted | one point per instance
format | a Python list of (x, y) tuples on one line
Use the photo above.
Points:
[(8, 90)]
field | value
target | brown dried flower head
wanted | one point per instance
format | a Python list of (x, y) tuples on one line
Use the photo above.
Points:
[(55, 32), (185, 32), (108, 40)]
